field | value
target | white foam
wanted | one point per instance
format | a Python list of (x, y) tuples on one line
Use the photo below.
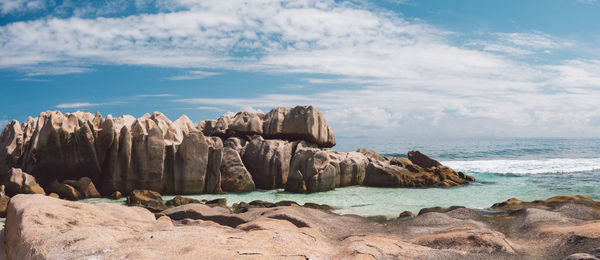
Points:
[(524, 167)]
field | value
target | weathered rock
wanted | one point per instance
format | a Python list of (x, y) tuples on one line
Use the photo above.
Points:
[(65, 191), (407, 164), (234, 176), (11, 147), (18, 182), (116, 195), (298, 123), (406, 214), (147, 157), (63, 147), (220, 202), (350, 168), (268, 161), (179, 200), (191, 164), (148, 199), (382, 174), (85, 187), (241, 124), (236, 143), (311, 171), (422, 160), (372, 155), (41, 227), (213, 171), (3, 204)]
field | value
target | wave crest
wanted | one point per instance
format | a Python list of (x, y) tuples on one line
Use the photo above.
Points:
[(525, 167)]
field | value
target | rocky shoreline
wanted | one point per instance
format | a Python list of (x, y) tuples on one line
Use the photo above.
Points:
[(82, 155), (42, 227)]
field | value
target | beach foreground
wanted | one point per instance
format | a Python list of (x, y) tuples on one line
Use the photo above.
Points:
[(42, 227)]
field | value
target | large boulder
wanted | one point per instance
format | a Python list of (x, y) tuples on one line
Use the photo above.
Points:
[(191, 163), (299, 123), (268, 161), (215, 159), (311, 170), (147, 156), (234, 176), (63, 147), (85, 187), (383, 174), (19, 182), (241, 124), (422, 160), (350, 168), (64, 190), (11, 147)]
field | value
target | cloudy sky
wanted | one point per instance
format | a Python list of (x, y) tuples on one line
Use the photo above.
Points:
[(403, 68)]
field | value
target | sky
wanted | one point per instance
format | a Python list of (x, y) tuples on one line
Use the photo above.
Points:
[(387, 68)]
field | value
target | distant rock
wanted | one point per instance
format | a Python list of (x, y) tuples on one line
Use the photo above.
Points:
[(422, 160), (268, 161)]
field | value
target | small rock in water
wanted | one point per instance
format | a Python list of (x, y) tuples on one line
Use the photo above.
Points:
[(148, 199), (179, 200), (318, 206), (406, 214), (116, 195), (220, 202)]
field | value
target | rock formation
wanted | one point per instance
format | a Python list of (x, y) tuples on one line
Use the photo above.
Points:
[(41, 227), (235, 153)]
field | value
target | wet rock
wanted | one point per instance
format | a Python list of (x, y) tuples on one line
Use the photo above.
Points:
[(116, 195), (20, 182), (65, 191), (148, 199), (220, 202), (85, 187), (264, 204), (4, 200), (286, 203), (439, 209), (179, 200), (234, 176), (268, 161), (324, 207), (406, 214)]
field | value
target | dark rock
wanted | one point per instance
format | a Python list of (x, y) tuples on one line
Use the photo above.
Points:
[(439, 209), (85, 187), (263, 204), (116, 195), (148, 199), (422, 160), (65, 191), (234, 176), (406, 214), (19, 181), (220, 202), (324, 207), (4, 200), (179, 200), (287, 203)]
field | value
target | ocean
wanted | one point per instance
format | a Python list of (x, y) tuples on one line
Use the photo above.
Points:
[(524, 168)]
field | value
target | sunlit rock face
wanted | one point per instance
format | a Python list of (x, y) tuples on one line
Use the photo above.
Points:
[(286, 148)]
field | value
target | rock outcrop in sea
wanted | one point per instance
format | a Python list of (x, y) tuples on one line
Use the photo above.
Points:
[(73, 154)]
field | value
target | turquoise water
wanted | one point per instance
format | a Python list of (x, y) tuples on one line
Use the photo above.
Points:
[(527, 169)]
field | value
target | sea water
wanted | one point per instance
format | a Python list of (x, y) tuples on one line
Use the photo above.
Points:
[(504, 168)]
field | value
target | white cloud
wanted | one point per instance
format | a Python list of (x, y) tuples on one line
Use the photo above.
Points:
[(22, 6), (155, 95), (3, 123), (194, 74), (413, 78), (86, 104)]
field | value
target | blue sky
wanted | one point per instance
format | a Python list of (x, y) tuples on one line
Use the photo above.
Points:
[(402, 68)]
